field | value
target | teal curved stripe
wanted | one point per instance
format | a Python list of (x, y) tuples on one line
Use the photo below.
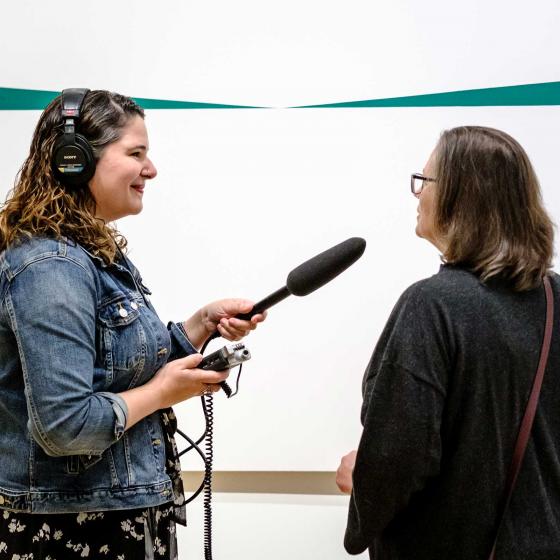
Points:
[(13, 99), (547, 93)]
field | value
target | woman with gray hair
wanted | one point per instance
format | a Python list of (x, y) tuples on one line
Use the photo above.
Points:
[(448, 383)]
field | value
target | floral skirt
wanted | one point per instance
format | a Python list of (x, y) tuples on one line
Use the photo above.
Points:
[(134, 534)]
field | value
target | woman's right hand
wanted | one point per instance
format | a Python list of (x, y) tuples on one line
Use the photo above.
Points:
[(180, 380), (176, 381)]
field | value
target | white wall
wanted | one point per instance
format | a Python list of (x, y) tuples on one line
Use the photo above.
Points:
[(269, 526), (254, 193), (244, 196)]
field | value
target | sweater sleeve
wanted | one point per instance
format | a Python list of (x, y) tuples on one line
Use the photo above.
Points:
[(400, 446), (399, 450)]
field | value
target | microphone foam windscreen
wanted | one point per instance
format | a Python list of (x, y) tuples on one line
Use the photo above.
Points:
[(319, 270)]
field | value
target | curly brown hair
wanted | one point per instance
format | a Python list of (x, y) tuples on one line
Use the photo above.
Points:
[(489, 208), (40, 205)]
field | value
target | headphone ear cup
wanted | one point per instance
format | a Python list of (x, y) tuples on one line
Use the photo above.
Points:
[(89, 168), (73, 163)]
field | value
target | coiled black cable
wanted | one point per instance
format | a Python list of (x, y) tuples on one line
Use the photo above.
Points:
[(208, 457), (209, 402), (194, 445)]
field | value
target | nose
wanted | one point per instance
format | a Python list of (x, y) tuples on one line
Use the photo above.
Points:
[(149, 170)]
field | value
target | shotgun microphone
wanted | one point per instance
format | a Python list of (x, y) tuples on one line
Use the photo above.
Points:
[(311, 275), (306, 278)]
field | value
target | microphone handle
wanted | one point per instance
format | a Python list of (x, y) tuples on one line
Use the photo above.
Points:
[(265, 303), (259, 307)]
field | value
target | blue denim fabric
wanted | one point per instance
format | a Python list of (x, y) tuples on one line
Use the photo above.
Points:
[(73, 333)]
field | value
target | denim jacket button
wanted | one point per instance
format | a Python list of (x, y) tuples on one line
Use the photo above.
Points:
[(134, 305), (123, 312), (1, 500)]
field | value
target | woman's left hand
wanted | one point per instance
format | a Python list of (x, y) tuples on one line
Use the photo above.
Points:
[(220, 315)]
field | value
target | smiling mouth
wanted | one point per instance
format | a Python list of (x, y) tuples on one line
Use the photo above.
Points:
[(138, 188)]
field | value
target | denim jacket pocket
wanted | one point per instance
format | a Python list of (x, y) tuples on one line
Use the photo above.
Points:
[(77, 464), (122, 341), (118, 311)]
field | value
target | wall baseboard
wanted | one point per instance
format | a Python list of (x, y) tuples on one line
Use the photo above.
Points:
[(266, 482)]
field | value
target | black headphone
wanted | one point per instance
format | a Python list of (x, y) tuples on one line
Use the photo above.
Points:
[(73, 161)]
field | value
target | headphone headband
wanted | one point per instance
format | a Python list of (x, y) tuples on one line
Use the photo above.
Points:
[(72, 100)]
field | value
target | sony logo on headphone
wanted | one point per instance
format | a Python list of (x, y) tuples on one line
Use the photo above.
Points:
[(69, 157)]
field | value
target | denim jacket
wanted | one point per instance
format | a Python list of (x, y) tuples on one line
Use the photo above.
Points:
[(74, 332)]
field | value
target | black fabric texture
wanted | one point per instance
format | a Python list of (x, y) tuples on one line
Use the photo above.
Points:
[(444, 394)]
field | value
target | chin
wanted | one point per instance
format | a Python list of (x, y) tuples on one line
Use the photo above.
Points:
[(130, 212), (136, 209)]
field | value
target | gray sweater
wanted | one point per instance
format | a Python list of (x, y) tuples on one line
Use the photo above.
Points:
[(444, 394)]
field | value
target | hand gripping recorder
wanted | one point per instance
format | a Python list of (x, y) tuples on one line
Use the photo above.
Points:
[(225, 358)]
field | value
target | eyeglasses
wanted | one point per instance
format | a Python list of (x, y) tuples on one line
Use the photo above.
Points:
[(418, 182)]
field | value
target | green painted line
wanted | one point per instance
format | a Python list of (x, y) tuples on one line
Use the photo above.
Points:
[(167, 104), (13, 99), (547, 93)]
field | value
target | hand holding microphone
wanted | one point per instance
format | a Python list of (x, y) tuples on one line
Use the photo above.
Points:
[(310, 275), (235, 318), (221, 318), (301, 281)]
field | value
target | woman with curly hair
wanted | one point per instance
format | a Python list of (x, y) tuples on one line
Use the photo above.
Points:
[(88, 372)]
